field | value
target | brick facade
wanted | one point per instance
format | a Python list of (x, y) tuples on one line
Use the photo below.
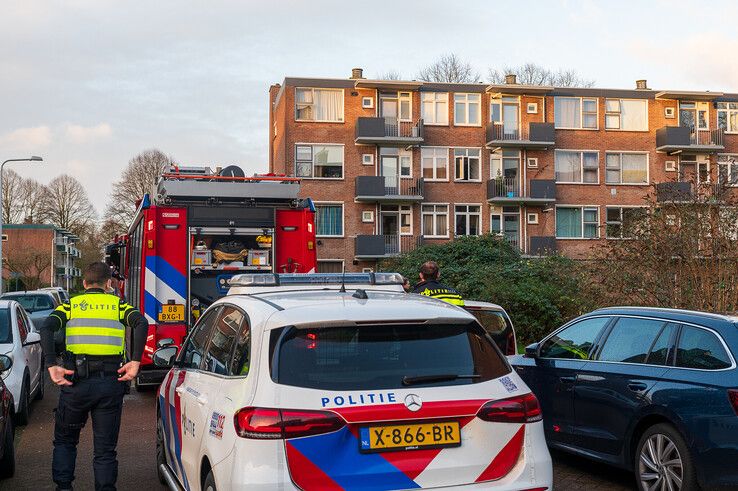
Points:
[(286, 133)]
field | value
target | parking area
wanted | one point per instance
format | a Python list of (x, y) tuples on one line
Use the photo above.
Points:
[(137, 454)]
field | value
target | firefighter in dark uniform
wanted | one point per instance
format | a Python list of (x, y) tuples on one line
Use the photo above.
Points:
[(95, 375), (431, 287)]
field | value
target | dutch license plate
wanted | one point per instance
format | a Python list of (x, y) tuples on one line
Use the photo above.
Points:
[(172, 313), (410, 437)]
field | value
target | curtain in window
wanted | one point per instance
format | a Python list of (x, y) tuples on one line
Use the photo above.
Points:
[(568, 222), (634, 115), (328, 105), (567, 113), (328, 220), (635, 168), (568, 166), (328, 161)]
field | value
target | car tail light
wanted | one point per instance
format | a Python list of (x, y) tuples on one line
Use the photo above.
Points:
[(733, 396), (520, 409), (264, 423)]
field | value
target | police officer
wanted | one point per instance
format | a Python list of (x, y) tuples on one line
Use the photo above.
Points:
[(431, 287), (94, 376)]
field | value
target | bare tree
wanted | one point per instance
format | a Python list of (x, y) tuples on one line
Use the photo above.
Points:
[(534, 74), (33, 194), (12, 195), (67, 205), (137, 179), (449, 68), (390, 75)]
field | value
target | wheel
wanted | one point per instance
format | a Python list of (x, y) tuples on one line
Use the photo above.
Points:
[(40, 390), (209, 482), (7, 463), (21, 417), (663, 461), (161, 457)]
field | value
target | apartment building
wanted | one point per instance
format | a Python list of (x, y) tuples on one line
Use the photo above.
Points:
[(392, 164)]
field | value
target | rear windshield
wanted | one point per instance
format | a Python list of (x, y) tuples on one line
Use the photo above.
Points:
[(384, 357), (33, 303), (6, 334)]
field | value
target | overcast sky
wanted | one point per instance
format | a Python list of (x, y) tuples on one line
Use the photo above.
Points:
[(87, 84)]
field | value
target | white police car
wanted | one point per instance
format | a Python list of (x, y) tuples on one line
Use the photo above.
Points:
[(294, 382)]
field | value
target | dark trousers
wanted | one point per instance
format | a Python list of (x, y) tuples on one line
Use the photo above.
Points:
[(102, 397)]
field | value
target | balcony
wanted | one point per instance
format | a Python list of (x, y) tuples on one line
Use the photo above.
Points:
[(684, 191), (383, 246), (375, 189), (507, 191), (388, 131), (542, 246), (676, 139), (536, 135)]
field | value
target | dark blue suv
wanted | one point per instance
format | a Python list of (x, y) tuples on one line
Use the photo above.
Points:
[(651, 390)]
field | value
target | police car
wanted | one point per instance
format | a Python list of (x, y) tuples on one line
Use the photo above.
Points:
[(320, 382)]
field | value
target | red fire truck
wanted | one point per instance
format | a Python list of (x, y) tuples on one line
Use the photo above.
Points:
[(201, 228)]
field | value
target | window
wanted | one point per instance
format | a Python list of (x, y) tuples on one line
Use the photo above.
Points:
[(406, 220), (574, 222), (434, 107), (700, 348), (319, 161), (381, 356), (532, 162), (242, 354), (320, 105), (367, 102), (620, 222), (728, 170), (626, 114), (468, 219), (6, 333), (670, 166), (533, 218), (626, 168), (532, 108), (22, 328), (194, 350), (367, 216), (661, 350), (406, 107), (435, 220), (367, 159), (330, 266), (435, 163), (406, 163), (495, 111), (574, 113), (468, 164), (394, 216), (504, 163), (630, 340), (669, 112), (467, 109), (329, 219), (218, 356), (727, 113), (577, 167), (574, 342)]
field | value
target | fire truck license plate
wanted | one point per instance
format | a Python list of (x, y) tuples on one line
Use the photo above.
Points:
[(410, 437), (172, 313)]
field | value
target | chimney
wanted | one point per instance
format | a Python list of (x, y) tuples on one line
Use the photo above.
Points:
[(641, 84), (511, 79), (357, 73)]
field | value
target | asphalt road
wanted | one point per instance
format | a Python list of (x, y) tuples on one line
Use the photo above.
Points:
[(137, 453)]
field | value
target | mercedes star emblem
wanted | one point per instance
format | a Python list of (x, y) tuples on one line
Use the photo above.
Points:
[(413, 402)]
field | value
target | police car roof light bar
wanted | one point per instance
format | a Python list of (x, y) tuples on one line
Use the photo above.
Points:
[(285, 279)]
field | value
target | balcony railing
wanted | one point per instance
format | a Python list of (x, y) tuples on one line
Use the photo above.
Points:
[(388, 188), (672, 139), (535, 135), (388, 131), (381, 246), (508, 190), (504, 187)]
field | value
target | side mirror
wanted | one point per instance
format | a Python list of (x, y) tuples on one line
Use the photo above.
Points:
[(32, 338), (6, 363), (164, 357), (163, 342), (531, 351)]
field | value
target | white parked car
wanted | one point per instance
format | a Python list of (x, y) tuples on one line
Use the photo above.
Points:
[(22, 343), (292, 382)]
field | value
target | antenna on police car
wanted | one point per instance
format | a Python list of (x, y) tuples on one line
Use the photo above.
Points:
[(343, 281)]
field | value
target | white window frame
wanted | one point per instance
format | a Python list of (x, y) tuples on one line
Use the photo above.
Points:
[(466, 155), (625, 152), (436, 152), (727, 112), (370, 104), (402, 210), (581, 113), (435, 101), (466, 103), (467, 214), (408, 154), (367, 216), (581, 166), (342, 261), (582, 207), (670, 166), (312, 156), (342, 117), (532, 218), (343, 219), (531, 108), (731, 178), (423, 214), (404, 96), (367, 161), (532, 162), (670, 112), (620, 114), (620, 207)]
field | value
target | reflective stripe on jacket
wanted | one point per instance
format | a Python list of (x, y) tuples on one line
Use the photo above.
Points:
[(437, 290), (95, 324)]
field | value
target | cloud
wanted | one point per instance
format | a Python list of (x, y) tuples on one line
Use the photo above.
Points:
[(84, 134), (27, 138)]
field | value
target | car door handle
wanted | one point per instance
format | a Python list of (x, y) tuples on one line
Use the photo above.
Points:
[(637, 386), (202, 400), (568, 380)]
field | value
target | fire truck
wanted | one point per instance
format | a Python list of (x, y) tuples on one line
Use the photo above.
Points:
[(198, 229)]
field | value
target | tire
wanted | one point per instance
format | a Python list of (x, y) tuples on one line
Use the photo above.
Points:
[(22, 416), (40, 390), (7, 463), (209, 484), (662, 454), (161, 457)]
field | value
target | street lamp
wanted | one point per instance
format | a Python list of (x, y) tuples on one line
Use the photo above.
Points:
[(2, 166)]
